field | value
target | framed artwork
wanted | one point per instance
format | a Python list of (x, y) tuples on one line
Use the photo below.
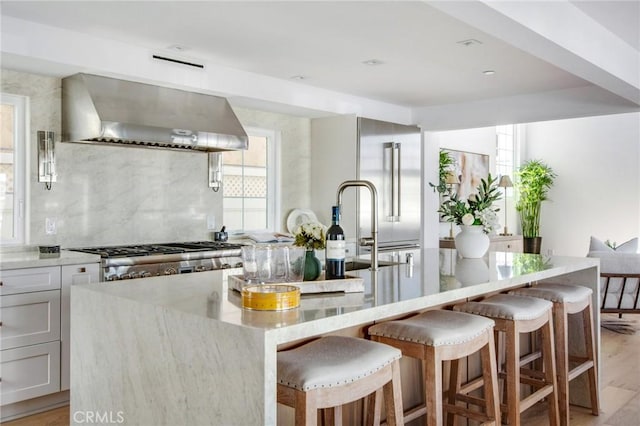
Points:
[(470, 167)]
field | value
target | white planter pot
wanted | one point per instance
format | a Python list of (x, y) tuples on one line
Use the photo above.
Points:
[(472, 242)]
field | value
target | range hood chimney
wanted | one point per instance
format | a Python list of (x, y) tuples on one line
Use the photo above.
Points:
[(102, 110)]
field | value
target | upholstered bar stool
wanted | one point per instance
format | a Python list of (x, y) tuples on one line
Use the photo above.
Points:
[(335, 370), (514, 315), (570, 299), (437, 336)]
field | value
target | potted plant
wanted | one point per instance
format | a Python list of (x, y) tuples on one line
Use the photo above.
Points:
[(476, 216), (534, 178), (445, 164)]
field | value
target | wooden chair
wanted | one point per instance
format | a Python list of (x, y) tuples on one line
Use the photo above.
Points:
[(514, 315), (437, 336), (335, 370), (570, 299)]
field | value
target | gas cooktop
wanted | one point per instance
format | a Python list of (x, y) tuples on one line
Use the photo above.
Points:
[(136, 250)]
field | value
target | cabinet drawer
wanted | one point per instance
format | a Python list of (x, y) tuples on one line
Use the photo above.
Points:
[(15, 281), (29, 372), (29, 318)]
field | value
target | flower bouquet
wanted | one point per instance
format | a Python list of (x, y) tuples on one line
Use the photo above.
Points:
[(477, 209), (310, 235)]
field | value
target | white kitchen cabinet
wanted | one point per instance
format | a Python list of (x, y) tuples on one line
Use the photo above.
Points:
[(71, 275), (34, 315), (30, 371), (30, 318), (27, 280)]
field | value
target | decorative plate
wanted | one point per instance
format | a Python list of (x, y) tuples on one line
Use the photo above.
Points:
[(299, 216)]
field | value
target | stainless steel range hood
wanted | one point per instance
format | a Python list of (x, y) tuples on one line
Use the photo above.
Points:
[(102, 110)]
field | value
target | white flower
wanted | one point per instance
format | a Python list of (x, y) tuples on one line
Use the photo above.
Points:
[(468, 219), (473, 198), (489, 220)]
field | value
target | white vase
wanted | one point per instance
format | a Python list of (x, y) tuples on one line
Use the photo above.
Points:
[(472, 242)]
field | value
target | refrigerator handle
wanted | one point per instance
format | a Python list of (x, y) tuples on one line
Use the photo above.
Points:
[(394, 170)]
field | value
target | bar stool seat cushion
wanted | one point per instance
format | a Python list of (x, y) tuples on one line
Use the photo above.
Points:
[(332, 361), (557, 293), (507, 306), (435, 328)]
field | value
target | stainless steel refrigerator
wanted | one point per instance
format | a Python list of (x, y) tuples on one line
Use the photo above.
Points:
[(390, 156)]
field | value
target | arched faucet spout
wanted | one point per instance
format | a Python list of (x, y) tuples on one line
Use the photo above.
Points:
[(371, 241)]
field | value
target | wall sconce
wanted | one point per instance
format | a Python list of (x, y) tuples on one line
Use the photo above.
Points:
[(215, 171), (505, 182), (46, 158)]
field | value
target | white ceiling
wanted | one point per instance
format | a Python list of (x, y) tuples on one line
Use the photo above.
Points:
[(326, 43)]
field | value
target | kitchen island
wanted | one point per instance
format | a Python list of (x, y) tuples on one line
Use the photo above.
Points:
[(180, 350)]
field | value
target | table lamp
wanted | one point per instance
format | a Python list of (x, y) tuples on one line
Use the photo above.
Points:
[(505, 182)]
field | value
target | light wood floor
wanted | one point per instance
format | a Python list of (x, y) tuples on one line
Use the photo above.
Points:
[(619, 397)]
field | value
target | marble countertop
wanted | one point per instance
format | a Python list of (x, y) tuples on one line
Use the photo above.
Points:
[(30, 258), (437, 277)]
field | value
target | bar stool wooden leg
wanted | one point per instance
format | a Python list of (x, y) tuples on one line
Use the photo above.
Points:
[(512, 381), (393, 397), (560, 325), (490, 375), (549, 361), (455, 380), (590, 338), (433, 386)]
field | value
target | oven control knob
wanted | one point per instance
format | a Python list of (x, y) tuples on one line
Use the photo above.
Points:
[(238, 265), (133, 275), (170, 271), (225, 266), (200, 268), (124, 276), (145, 274)]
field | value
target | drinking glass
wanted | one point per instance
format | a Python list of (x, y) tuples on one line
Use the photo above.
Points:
[(296, 264), (263, 264), (280, 264), (249, 264)]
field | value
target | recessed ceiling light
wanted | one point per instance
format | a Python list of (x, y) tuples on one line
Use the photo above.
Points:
[(373, 62), (469, 42), (178, 48), (297, 77), (488, 72)]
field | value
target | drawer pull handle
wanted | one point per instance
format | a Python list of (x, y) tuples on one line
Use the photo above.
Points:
[(82, 270), (0, 283), (0, 323)]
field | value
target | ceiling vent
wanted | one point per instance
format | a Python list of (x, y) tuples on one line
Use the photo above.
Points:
[(178, 61)]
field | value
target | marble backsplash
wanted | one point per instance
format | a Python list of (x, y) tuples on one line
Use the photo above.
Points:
[(109, 195)]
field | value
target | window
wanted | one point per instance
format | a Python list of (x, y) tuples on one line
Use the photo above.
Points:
[(250, 200), (506, 143), (12, 168)]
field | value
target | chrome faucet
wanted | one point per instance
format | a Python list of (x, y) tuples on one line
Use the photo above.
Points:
[(371, 241)]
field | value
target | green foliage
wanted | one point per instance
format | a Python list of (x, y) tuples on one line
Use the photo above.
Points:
[(479, 205), (444, 166), (533, 181)]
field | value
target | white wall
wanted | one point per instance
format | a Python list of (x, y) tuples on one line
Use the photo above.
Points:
[(597, 192)]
